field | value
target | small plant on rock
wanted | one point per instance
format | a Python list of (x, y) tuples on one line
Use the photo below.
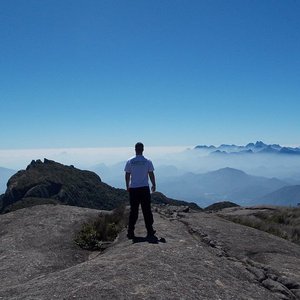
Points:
[(100, 233)]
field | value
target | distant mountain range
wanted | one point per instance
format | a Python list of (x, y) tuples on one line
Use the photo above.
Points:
[(251, 148), (51, 182), (228, 184)]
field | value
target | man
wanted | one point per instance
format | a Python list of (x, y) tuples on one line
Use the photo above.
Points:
[(137, 171)]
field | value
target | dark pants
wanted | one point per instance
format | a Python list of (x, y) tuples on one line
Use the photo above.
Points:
[(141, 196)]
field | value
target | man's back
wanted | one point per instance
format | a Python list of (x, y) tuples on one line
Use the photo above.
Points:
[(139, 168)]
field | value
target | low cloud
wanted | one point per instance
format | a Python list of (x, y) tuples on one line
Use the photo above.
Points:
[(168, 161), (80, 157)]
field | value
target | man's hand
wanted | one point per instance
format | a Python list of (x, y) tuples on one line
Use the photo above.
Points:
[(127, 180), (152, 179)]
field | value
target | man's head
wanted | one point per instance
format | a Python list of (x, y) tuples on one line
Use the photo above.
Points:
[(139, 148)]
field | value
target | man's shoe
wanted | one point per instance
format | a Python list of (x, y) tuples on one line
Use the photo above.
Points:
[(130, 235), (151, 233)]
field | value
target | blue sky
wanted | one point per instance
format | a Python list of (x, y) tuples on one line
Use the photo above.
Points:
[(109, 73)]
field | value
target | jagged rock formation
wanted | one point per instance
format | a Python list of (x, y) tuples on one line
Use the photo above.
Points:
[(50, 182), (196, 256)]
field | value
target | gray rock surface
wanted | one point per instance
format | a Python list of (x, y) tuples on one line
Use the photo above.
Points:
[(196, 256)]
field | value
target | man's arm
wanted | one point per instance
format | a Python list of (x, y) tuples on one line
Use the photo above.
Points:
[(127, 180), (152, 179)]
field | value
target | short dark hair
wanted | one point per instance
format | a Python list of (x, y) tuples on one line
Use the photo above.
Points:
[(139, 147)]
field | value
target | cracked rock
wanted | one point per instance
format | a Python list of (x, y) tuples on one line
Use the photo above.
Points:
[(277, 287)]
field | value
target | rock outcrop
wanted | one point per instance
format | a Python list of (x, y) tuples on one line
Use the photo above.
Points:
[(220, 205), (50, 182), (195, 256)]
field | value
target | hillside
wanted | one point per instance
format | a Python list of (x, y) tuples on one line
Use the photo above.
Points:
[(287, 196), (220, 205), (223, 184), (159, 198), (196, 256)]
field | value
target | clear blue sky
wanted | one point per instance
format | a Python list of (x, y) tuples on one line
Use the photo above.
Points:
[(108, 73)]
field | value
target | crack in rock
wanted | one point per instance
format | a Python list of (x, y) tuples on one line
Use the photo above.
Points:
[(284, 288)]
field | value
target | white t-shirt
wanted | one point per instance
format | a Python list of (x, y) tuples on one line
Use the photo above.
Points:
[(139, 167)]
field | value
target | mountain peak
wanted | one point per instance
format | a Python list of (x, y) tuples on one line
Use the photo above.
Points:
[(250, 145), (52, 182), (260, 144), (229, 171)]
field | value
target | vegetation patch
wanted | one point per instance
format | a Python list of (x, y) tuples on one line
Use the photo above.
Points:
[(282, 222), (98, 234)]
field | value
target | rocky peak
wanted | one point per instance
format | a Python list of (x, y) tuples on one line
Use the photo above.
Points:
[(260, 144), (50, 181)]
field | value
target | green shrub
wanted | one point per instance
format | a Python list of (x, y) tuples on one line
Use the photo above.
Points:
[(99, 233)]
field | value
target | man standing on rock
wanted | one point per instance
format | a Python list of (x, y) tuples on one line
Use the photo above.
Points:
[(137, 171)]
